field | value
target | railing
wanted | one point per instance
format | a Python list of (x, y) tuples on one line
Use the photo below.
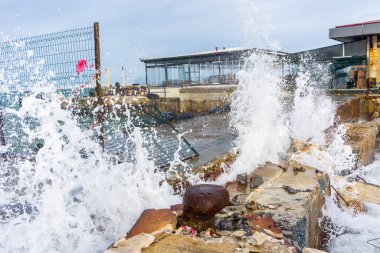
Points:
[(161, 145)]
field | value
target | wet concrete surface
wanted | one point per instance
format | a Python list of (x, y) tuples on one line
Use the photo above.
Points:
[(210, 135)]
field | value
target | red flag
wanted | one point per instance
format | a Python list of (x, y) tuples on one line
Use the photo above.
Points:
[(81, 65)]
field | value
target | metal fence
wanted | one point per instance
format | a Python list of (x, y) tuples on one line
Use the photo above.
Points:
[(53, 58), (24, 62), (161, 139)]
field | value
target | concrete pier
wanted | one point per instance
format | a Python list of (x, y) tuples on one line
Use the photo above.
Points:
[(194, 99)]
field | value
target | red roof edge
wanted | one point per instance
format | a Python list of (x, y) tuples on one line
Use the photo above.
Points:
[(364, 23)]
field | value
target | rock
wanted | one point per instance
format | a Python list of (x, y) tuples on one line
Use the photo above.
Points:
[(177, 209), (213, 169), (225, 233), (253, 205), (242, 179), (310, 250), (188, 244), (266, 225), (261, 237), (297, 213), (272, 247), (375, 115), (178, 181), (298, 168), (349, 199), (365, 192), (239, 199), (287, 234), (210, 233), (252, 216), (238, 234), (230, 210), (362, 139), (201, 203), (290, 190), (154, 222), (225, 225), (132, 245), (255, 181)]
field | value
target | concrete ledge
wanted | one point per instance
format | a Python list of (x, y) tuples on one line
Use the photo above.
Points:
[(186, 244), (294, 198), (356, 109), (362, 139)]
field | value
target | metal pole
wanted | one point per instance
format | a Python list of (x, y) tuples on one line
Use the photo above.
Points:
[(166, 73), (166, 77), (97, 64), (188, 68), (99, 92), (2, 137), (146, 75), (219, 77)]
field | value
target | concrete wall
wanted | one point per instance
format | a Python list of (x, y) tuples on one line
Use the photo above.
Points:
[(360, 108), (194, 100)]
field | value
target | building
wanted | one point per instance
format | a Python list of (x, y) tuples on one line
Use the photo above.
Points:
[(355, 62), (365, 37), (214, 67)]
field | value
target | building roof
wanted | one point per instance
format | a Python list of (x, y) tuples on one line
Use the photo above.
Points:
[(354, 32), (363, 23), (219, 52)]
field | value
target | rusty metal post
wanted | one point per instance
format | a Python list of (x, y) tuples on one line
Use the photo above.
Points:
[(99, 92), (97, 64)]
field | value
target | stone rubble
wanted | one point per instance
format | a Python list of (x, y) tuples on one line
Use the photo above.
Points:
[(240, 217), (275, 209)]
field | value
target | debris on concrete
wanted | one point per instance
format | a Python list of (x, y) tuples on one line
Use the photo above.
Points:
[(276, 208)]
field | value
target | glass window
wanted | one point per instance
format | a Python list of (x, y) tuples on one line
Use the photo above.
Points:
[(195, 73), (181, 75), (186, 74), (151, 76), (204, 73), (173, 75)]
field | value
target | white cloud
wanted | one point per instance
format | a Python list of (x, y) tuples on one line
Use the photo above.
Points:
[(133, 29)]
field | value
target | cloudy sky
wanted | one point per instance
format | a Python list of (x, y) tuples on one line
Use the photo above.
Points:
[(134, 29)]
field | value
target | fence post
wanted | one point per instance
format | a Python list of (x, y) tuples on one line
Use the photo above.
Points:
[(97, 64), (99, 92), (2, 137)]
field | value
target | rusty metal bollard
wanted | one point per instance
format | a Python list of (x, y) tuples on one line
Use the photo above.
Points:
[(201, 203)]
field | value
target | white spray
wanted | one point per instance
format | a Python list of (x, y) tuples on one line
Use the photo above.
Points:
[(70, 196)]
